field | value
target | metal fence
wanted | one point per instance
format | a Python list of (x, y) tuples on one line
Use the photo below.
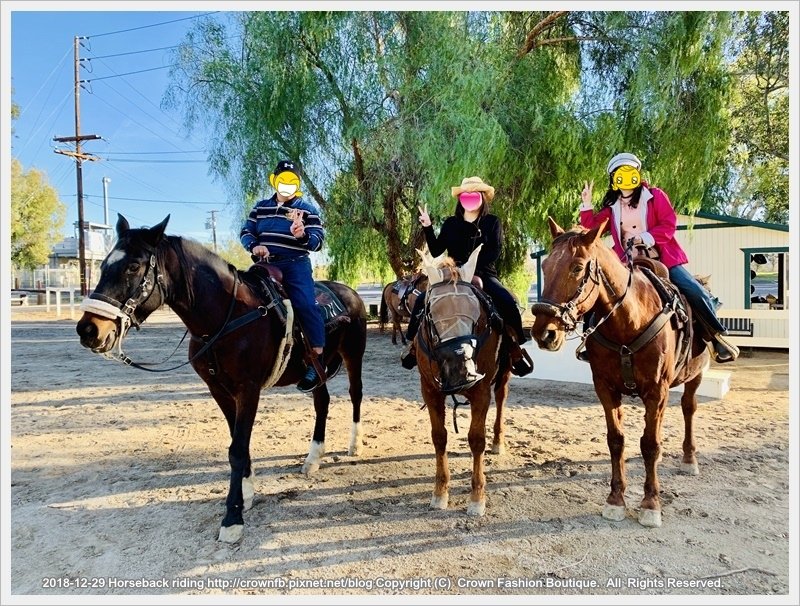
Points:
[(45, 277)]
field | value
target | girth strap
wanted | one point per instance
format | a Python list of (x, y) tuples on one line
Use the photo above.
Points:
[(626, 351)]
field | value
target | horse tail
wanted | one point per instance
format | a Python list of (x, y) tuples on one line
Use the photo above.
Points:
[(383, 313)]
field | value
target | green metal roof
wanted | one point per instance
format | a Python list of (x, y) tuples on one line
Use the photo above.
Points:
[(727, 219)]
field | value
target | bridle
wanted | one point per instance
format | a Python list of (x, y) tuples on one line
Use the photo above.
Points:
[(124, 313), (569, 313)]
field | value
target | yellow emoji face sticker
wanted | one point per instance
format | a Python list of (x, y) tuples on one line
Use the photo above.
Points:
[(626, 177), (286, 184)]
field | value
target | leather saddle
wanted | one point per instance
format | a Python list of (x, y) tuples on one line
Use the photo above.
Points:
[(267, 281), (657, 267)]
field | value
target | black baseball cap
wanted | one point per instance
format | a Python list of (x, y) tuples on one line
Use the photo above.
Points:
[(287, 165)]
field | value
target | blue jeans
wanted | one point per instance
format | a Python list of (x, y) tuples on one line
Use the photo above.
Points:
[(299, 284), (698, 297)]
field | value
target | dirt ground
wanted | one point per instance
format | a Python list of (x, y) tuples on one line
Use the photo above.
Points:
[(119, 477)]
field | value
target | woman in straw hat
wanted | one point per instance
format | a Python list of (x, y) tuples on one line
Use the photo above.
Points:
[(470, 226)]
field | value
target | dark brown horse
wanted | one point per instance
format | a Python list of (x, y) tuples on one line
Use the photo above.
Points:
[(460, 351), (634, 349), (238, 344), (398, 299)]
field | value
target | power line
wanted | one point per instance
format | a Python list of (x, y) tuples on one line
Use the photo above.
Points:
[(148, 50), (132, 29), (154, 161), (136, 90), (151, 131), (191, 151), (152, 200), (141, 71)]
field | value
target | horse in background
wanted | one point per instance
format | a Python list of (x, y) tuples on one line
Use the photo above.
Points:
[(239, 341), (639, 344), (398, 298), (460, 350)]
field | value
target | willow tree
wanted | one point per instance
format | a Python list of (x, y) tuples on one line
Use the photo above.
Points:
[(757, 182), (385, 111)]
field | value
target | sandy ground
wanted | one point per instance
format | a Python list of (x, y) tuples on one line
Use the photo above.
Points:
[(118, 478)]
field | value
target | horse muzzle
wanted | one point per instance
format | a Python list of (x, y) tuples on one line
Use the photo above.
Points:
[(548, 333), (457, 369), (97, 333)]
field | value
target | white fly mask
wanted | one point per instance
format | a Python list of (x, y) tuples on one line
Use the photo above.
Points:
[(452, 305)]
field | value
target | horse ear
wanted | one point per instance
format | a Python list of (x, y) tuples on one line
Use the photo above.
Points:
[(593, 235), (122, 226), (468, 269), (430, 267), (154, 234), (555, 228)]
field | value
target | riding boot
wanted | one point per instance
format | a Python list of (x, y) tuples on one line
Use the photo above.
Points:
[(723, 350), (409, 356), (314, 377)]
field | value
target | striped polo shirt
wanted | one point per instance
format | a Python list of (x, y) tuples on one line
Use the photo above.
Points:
[(268, 225)]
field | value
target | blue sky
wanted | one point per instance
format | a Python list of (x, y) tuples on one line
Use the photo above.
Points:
[(124, 109)]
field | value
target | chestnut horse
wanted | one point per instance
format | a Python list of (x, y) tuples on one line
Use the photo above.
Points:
[(239, 342), (633, 349), (399, 305), (460, 351)]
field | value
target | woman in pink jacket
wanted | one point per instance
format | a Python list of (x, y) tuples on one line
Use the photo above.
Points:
[(641, 218)]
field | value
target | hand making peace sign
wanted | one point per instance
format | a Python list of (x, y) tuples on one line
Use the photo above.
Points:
[(424, 217)]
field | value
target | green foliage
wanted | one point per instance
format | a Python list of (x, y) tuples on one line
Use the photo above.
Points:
[(36, 217), (755, 182), (387, 110), (234, 253)]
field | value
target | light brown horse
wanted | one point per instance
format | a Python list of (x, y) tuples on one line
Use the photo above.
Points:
[(393, 301), (460, 351), (638, 350)]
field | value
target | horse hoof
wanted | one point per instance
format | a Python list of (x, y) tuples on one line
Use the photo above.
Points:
[(231, 534), (248, 490), (650, 518), (499, 448), (315, 453), (309, 469), (356, 441), (476, 508), (690, 469), (439, 502), (615, 513)]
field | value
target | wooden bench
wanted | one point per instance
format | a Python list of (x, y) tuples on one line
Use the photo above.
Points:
[(738, 327)]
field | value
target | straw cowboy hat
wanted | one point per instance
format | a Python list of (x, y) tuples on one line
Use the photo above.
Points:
[(474, 184)]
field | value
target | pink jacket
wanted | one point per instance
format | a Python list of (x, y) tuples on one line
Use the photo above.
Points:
[(659, 222)]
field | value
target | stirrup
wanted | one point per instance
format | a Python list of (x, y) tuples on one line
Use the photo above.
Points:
[(310, 381), (723, 351), (523, 365)]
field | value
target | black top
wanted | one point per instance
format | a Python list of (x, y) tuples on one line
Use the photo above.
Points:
[(459, 238)]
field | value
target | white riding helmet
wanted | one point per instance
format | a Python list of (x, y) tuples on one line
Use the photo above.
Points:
[(623, 159)]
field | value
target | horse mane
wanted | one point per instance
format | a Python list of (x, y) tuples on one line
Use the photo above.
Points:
[(454, 270), (192, 254)]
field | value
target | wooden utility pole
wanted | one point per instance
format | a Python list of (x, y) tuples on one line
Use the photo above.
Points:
[(212, 223), (79, 158)]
